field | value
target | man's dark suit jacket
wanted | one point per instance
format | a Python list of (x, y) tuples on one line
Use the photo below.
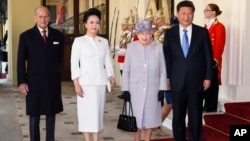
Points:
[(38, 65), (196, 67)]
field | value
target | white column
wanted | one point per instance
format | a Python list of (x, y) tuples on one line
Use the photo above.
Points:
[(235, 73)]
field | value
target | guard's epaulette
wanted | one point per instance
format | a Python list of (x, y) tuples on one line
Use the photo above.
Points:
[(216, 21)]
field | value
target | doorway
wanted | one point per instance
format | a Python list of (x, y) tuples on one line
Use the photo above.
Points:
[(67, 16)]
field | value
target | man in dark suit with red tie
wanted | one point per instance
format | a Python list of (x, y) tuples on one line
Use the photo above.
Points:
[(189, 68), (40, 53)]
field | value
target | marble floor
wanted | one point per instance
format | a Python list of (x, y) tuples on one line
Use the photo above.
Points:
[(14, 122)]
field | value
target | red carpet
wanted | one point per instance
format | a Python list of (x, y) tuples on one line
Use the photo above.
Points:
[(222, 121), (210, 134), (239, 109), (218, 125)]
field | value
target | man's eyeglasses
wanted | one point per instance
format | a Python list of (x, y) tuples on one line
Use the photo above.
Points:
[(207, 10)]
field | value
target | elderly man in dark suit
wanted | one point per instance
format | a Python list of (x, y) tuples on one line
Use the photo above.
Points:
[(40, 53), (189, 58)]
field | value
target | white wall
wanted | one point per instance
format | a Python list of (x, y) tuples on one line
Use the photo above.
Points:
[(20, 17), (246, 72)]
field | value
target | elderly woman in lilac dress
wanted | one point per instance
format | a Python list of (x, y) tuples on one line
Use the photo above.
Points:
[(144, 78)]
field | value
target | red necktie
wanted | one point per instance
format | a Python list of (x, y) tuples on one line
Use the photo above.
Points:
[(44, 36)]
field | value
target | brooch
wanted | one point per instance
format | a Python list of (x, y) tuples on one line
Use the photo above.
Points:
[(154, 46)]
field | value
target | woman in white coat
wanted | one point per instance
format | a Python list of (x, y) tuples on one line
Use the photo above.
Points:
[(144, 78), (91, 71)]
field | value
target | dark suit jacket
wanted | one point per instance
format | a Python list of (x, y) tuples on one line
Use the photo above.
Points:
[(38, 65), (196, 67)]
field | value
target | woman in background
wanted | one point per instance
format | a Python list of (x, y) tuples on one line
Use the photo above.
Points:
[(217, 34)]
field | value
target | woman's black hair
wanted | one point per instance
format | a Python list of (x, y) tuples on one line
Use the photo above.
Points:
[(91, 12)]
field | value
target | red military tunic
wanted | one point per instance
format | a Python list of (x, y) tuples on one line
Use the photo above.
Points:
[(60, 11), (217, 34)]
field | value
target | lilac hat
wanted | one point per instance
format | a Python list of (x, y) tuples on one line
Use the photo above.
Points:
[(143, 25)]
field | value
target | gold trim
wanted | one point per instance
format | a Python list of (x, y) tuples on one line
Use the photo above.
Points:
[(217, 130)]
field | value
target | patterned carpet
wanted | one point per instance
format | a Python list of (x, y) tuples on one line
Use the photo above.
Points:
[(66, 122)]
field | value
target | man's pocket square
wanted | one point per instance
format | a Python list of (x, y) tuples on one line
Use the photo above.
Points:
[(55, 43)]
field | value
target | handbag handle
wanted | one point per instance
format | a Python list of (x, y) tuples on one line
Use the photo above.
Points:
[(125, 108)]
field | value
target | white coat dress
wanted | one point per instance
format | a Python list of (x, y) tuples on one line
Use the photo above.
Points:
[(144, 74), (91, 64)]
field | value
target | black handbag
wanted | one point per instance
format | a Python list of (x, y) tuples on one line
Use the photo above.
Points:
[(127, 121)]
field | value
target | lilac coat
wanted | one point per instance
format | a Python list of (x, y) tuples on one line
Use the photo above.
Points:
[(144, 74)]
